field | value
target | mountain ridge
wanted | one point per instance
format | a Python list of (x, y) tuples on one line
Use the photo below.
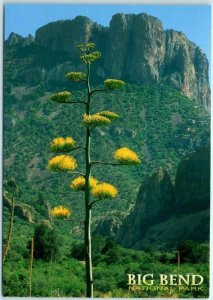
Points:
[(135, 48)]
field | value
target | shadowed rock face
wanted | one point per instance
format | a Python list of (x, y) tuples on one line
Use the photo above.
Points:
[(65, 35), (134, 48), (155, 202), (164, 216)]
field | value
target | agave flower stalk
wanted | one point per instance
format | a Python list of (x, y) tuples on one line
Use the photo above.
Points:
[(87, 224), (91, 187), (31, 267), (10, 229)]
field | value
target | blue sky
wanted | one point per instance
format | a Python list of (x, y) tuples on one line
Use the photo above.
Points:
[(194, 21)]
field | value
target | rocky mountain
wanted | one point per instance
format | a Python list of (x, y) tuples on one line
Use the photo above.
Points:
[(15, 39), (135, 48), (164, 215)]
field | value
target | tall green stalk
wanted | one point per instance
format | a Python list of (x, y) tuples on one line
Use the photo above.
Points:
[(31, 267), (122, 156), (10, 229), (87, 231)]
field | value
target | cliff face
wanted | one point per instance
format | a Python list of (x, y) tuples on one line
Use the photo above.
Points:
[(136, 49), (163, 216), (66, 35), (154, 203)]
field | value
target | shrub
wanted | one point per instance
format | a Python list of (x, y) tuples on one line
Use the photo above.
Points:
[(46, 242)]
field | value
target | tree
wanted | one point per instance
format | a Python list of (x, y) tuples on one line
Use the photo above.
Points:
[(46, 242), (193, 252), (185, 249), (94, 191)]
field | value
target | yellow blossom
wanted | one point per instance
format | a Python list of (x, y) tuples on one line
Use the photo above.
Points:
[(95, 120), (60, 212), (61, 97), (62, 163), (108, 114), (86, 47), (61, 144), (126, 156), (104, 190), (78, 184), (88, 58), (114, 83), (76, 76)]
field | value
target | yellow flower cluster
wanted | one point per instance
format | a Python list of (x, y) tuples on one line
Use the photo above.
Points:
[(104, 190), (88, 58), (78, 184), (95, 120), (114, 83), (60, 212), (62, 163), (61, 97), (126, 156), (61, 144), (76, 76), (108, 114), (86, 47)]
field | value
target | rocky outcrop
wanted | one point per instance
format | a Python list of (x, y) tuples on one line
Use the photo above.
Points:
[(66, 35), (134, 48), (169, 233), (15, 39), (186, 67), (155, 202), (138, 43), (164, 216), (108, 226)]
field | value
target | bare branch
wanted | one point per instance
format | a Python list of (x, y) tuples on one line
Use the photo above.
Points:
[(93, 202), (94, 91), (63, 152), (79, 147), (78, 173)]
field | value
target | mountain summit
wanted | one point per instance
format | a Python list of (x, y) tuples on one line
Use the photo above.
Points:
[(135, 48)]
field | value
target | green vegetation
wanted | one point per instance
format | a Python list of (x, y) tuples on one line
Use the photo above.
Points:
[(157, 122), (161, 125), (65, 276), (46, 242)]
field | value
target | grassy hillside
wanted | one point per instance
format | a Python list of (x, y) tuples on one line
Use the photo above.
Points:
[(157, 122)]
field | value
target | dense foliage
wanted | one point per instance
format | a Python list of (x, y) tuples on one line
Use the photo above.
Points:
[(46, 242), (65, 276), (157, 122)]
